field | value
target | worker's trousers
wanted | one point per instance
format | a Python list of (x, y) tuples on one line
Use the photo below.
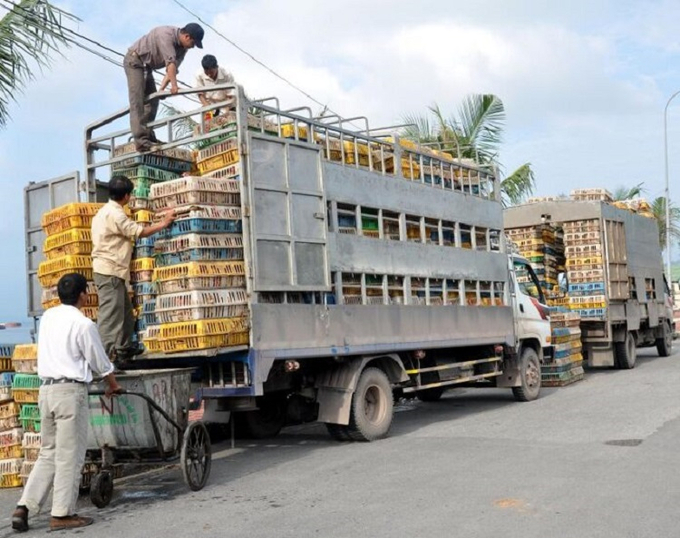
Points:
[(115, 317), (64, 421), (140, 85)]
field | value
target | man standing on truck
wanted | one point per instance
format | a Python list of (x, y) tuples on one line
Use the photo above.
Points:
[(210, 75), (163, 47), (113, 236), (69, 351)]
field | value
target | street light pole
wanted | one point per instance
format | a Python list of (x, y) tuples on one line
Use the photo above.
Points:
[(668, 193)]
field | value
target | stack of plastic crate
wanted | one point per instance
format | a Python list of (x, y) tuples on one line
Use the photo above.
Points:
[(585, 269), (30, 446), (201, 301), (591, 195), (68, 248), (11, 457), (540, 245), (566, 364), (6, 372)]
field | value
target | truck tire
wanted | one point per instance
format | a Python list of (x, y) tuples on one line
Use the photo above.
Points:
[(530, 375), (664, 345), (372, 407), (263, 423), (430, 395), (626, 352)]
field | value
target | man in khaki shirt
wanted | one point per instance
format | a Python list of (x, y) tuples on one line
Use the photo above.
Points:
[(113, 237)]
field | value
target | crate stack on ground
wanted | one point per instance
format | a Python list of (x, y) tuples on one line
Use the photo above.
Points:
[(566, 365), (199, 275), (585, 269), (10, 425), (6, 372), (68, 249)]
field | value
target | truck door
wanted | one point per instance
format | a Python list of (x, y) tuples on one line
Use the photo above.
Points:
[(529, 306), (38, 199)]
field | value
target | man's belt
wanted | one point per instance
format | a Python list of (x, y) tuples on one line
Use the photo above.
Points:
[(59, 381)]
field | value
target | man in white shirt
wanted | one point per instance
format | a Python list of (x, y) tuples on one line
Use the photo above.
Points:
[(69, 351), (211, 75), (113, 236)]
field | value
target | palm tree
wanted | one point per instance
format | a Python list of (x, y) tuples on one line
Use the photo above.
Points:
[(658, 209), (475, 134), (30, 33), (627, 193)]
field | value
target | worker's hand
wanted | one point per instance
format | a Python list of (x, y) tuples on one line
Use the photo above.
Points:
[(168, 218), (113, 389), (174, 88)]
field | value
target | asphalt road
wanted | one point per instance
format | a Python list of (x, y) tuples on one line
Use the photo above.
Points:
[(595, 459)]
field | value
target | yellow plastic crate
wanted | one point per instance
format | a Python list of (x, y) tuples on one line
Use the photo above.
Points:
[(90, 312), (76, 209), (5, 364), (143, 264), (9, 409), (288, 131), (143, 216), (219, 161), (207, 327), (25, 395), (204, 342), (25, 351), (10, 481), (50, 271), (197, 269), (11, 451)]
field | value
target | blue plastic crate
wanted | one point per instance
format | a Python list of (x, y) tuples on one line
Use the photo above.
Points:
[(218, 226), (144, 288), (147, 241), (587, 288), (144, 252), (6, 379), (592, 312), (6, 350), (199, 254)]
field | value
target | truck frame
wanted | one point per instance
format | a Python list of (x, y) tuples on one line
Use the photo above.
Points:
[(341, 316)]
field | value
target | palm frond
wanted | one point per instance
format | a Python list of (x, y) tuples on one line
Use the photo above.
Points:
[(628, 193), (30, 32), (481, 119), (418, 128), (518, 186), (658, 208)]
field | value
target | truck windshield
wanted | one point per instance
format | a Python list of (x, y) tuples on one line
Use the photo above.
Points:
[(527, 281)]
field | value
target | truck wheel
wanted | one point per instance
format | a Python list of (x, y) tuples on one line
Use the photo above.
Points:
[(530, 375), (339, 432), (372, 407), (626, 352), (430, 395), (263, 423), (664, 345)]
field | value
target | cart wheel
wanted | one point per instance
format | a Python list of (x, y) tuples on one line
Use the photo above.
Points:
[(196, 456), (101, 489)]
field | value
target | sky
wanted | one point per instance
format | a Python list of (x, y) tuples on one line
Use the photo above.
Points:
[(584, 83)]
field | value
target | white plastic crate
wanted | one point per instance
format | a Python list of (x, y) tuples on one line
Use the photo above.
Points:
[(11, 466), (194, 184), (193, 240), (11, 437), (198, 304)]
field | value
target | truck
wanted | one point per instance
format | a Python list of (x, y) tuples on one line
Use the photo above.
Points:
[(374, 267), (616, 255)]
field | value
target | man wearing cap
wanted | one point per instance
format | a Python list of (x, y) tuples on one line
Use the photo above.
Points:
[(210, 75), (163, 47)]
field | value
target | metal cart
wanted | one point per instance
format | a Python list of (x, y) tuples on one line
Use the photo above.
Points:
[(127, 429)]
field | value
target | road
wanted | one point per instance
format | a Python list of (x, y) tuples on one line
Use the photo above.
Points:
[(595, 459)]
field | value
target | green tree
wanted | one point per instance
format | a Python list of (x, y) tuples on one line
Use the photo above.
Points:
[(475, 133), (658, 208), (31, 32), (628, 193)]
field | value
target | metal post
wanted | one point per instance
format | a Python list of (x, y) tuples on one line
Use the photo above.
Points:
[(668, 196)]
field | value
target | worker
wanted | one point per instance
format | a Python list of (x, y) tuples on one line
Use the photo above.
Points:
[(69, 352), (113, 234), (210, 75), (163, 47)]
